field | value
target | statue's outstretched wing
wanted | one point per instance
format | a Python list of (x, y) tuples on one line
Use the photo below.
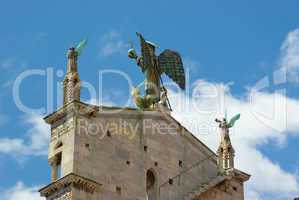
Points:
[(171, 64), (233, 120), (81, 46)]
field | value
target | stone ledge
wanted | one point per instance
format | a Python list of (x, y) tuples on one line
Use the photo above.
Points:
[(92, 110), (227, 175), (72, 180), (241, 176)]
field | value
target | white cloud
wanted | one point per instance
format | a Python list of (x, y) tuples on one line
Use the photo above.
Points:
[(290, 50), (36, 142), (251, 195), (22, 192), (254, 129), (290, 55), (111, 43)]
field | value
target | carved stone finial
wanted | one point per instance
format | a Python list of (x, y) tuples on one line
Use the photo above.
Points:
[(72, 56), (71, 83), (226, 152)]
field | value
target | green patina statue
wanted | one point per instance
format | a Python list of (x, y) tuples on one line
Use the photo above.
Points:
[(79, 47), (226, 125), (152, 66)]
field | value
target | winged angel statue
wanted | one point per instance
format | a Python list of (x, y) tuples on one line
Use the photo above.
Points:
[(79, 47), (152, 66), (226, 125)]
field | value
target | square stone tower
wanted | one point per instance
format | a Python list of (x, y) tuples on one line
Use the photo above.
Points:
[(115, 153)]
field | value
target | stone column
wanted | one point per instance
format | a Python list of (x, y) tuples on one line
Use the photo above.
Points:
[(54, 168)]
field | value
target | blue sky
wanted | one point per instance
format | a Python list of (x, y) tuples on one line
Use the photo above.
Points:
[(222, 42)]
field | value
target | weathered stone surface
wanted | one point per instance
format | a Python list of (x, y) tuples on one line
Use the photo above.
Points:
[(116, 148), (65, 187)]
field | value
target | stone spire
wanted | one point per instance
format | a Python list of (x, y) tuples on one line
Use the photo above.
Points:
[(226, 152), (71, 83)]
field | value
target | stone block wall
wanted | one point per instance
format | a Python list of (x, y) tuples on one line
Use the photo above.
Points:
[(116, 150), (228, 190)]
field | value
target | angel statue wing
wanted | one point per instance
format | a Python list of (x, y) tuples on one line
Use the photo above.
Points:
[(233, 120), (170, 63)]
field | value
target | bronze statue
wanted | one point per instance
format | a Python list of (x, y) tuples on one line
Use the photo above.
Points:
[(168, 62)]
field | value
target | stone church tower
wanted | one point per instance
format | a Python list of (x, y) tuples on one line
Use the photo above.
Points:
[(111, 153)]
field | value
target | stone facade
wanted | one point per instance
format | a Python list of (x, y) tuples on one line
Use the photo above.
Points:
[(114, 153), (230, 190), (227, 186), (117, 147)]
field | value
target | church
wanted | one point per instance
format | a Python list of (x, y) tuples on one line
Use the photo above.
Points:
[(114, 153)]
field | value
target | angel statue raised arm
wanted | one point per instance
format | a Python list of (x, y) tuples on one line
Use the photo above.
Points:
[(152, 66)]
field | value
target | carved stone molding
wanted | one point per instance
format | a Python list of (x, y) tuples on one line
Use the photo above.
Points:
[(58, 131), (237, 174), (71, 180), (222, 180), (77, 107)]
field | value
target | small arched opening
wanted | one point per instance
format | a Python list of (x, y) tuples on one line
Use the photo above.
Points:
[(55, 163), (151, 185)]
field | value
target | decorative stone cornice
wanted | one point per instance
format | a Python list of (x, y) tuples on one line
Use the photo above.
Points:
[(60, 113), (237, 174), (221, 178), (71, 180), (77, 107), (71, 109)]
